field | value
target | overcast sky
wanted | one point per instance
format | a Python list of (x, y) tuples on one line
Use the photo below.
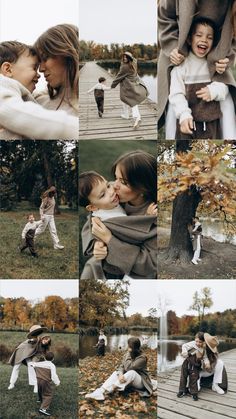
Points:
[(33, 289), (123, 21)]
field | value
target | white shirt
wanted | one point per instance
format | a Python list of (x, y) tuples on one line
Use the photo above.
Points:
[(30, 226), (99, 86), (102, 337), (111, 213), (49, 365)]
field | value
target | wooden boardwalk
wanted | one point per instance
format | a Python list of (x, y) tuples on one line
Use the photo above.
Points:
[(111, 126), (210, 404)]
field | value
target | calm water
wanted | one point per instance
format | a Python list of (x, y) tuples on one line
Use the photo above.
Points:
[(115, 342), (169, 352)]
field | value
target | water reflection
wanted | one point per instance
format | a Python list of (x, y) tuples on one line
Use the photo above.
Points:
[(115, 342)]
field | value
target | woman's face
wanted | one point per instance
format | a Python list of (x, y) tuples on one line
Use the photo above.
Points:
[(125, 191), (125, 58), (54, 71)]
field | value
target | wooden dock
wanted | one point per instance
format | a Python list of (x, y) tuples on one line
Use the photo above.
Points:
[(210, 404), (111, 126)]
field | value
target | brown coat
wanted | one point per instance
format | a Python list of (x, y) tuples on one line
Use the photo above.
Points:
[(175, 19), (26, 349), (132, 249), (132, 90), (139, 364)]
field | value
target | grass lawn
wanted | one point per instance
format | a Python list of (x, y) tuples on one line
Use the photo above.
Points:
[(21, 402), (12, 339), (51, 264)]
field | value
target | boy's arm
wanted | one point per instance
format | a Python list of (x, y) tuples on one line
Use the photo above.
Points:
[(54, 375), (92, 88), (186, 347), (177, 95), (24, 231), (218, 90)]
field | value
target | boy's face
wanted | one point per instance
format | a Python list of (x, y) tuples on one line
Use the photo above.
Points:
[(45, 340), (202, 40), (103, 196), (199, 342), (25, 70), (31, 219)]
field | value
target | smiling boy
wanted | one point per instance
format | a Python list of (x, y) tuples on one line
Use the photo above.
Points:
[(194, 97)]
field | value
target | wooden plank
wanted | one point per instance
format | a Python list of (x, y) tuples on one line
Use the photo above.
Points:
[(167, 414)]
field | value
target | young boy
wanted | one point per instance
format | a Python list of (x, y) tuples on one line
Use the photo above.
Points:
[(46, 375), (101, 347), (18, 78), (98, 90), (194, 97), (28, 233), (194, 353)]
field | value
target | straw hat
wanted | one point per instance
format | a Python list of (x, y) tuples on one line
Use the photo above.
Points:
[(129, 55), (211, 341), (36, 330)]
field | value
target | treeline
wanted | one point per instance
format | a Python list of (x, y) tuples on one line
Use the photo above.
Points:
[(29, 167), (89, 50), (222, 324), (53, 312)]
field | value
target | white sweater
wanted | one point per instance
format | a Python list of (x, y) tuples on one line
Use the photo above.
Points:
[(192, 346), (30, 226), (192, 70), (49, 365), (111, 213), (99, 86), (22, 117)]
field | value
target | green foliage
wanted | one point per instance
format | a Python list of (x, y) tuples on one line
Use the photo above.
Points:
[(8, 190)]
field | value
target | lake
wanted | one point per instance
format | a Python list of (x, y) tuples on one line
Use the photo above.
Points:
[(169, 353), (115, 342)]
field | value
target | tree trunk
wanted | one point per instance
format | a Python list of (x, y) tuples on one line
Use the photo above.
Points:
[(184, 209), (48, 173)]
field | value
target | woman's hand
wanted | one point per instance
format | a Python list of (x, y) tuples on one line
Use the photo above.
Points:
[(186, 126), (152, 209), (204, 94), (121, 378), (100, 250), (100, 230), (175, 57), (221, 65)]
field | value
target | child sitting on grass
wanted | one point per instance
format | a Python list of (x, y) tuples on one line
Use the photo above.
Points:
[(46, 375), (28, 233), (98, 90)]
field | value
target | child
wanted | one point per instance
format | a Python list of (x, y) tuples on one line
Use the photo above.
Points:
[(101, 347), (195, 353), (28, 234), (46, 374), (194, 97), (18, 78), (98, 90), (196, 237)]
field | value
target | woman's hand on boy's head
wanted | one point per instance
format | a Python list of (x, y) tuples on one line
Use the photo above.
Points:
[(204, 94), (186, 126), (222, 65), (100, 250), (100, 230), (175, 57)]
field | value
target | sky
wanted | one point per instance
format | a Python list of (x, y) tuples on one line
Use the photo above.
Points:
[(143, 296), (33, 289), (123, 21)]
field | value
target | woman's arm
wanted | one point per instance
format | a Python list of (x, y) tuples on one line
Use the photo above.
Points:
[(168, 26), (137, 364), (123, 72)]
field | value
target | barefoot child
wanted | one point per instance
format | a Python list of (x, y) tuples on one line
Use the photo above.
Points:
[(194, 97), (28, 233), (98, 90), (46, 375)]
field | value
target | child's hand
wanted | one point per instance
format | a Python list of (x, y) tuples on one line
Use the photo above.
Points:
[(100, 250), (100, 230), (175, 57), (204, 94), (221, 65), (207, 365), (121, 378), (186, 126), (152, 209)]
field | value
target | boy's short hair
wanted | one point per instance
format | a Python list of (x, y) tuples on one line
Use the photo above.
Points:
[(10, 51), (101, 79), (205, 21), (28, 216), (49, 356), (87, 181)]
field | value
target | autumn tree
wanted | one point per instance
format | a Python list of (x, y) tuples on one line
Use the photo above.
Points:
[(200, 172), (16, 312), (201, 301)]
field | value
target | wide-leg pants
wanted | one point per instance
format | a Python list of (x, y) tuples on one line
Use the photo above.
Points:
[(48, 221), (132, 378)]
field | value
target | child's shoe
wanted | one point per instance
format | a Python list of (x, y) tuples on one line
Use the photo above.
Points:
[(45, 412), (194, 262), (97, 394), (100, 114), (58, 246), (195, 397), (124, 116), (11, 386), (181, 394), (218, 390), (136, 123)]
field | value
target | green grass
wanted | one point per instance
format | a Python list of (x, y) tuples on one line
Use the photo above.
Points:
[(11, 339), (51, 264), (20, 403)]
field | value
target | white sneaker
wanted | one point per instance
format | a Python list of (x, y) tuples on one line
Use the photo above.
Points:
[(58, 246), (11, 386), (198, 385), (136, 123), (194, 262), (199, 260), (124, 116), (218, 390), (97, 394)]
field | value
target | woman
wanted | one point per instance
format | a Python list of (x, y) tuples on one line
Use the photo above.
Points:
[(132, 90), (134, 238), (215, 368), (46, 211), (196, 234), (132, 372), (175, 19), (58, 51), (28, 350)]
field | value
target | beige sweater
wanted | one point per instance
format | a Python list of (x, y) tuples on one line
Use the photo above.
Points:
[(22, 117), (47, 206)]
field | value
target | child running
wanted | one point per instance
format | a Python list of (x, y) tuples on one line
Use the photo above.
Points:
[(98, 90), (28, 234)]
